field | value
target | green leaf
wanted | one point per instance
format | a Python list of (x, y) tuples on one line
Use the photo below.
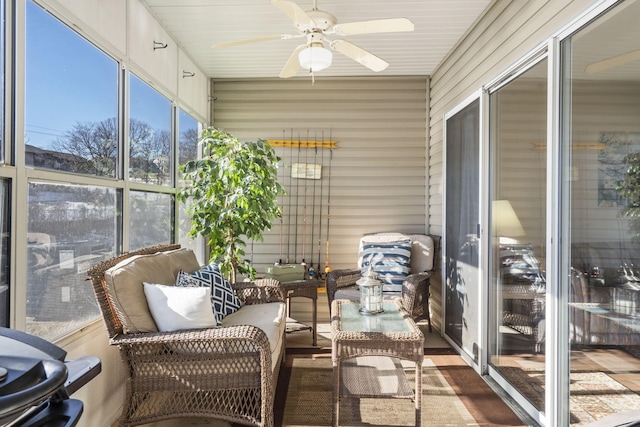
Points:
[(231, 195)]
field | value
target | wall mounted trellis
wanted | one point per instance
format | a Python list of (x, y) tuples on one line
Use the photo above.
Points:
[(305, 172)]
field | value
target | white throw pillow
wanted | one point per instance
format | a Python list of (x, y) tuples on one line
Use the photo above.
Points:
[(174, 308)]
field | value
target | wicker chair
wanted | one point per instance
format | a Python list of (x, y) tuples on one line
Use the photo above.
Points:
[(415, 287), (224, 373)]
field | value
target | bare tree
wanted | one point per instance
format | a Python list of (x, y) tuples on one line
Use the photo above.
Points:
[(93, 147), (150, 153), (188, 147)]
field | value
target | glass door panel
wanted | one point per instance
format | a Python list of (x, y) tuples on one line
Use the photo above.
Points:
[(517, 209), (602, 143)]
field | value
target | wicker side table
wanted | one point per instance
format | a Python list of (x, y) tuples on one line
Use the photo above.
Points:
[(391, 333), (306, 289)]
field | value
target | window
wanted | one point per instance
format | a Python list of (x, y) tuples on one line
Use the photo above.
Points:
[(149, 134), (5, 206), (188, 132), (82, 205), (150, 162), (5, 242), (72, 125), (71, 99), (2, 77), (151, 219), (70, 228)]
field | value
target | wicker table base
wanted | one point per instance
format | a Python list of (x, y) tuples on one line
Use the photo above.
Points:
[(392, 334), (306, 289), (385, 377)]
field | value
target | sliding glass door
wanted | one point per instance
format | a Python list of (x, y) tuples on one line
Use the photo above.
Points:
[(549, 235), (517, 210), (601, 145)]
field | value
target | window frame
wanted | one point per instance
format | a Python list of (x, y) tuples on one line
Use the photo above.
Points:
[(21, 175)]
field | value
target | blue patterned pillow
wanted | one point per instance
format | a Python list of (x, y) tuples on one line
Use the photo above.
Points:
[(224, 300), (391, 260)]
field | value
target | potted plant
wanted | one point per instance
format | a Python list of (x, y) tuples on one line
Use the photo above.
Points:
[(231, 195), (629, 190)]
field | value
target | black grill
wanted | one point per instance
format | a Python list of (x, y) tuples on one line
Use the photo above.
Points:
[(36, 381)]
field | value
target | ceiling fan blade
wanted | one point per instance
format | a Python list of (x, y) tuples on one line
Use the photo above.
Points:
[(256, 40), (615, 61), (295, 12), (392, 25), (360, 55), (292, 66)]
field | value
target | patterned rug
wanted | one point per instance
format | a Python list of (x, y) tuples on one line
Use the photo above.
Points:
[(593, 395), (308, 400)]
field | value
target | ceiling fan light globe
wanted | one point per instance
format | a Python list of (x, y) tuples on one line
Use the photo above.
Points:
[(315, 58)]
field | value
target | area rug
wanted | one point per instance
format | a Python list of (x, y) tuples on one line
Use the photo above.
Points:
[(308, 393), (593, 395)]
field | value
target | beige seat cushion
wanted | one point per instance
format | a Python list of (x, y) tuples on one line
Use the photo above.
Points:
[(422, 253), (270, 317), (124, 283)]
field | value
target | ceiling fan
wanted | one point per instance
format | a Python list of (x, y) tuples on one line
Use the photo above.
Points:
[(612, 62), (314, 25)]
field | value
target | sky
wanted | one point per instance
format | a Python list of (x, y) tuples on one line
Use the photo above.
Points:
[(69, 80)]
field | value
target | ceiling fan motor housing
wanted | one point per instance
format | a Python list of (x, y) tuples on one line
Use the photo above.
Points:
[(323, 21), (315, 38)]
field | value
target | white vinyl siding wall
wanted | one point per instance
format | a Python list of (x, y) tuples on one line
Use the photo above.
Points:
[(505, 34), (378, 172)]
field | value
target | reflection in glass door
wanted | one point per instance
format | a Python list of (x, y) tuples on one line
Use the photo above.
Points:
[(602, 142), (517, 288), (5, 241)]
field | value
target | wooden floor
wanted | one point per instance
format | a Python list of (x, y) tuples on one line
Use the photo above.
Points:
[(593, 394), (619, 363)]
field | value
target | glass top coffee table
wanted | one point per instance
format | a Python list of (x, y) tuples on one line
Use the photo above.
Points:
[(391, 333)]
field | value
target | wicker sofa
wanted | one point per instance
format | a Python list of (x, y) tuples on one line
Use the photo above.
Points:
[(604, 296), (597, 271), (227, 372)]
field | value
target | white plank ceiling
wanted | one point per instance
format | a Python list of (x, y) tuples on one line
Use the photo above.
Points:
[(198, 24)]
